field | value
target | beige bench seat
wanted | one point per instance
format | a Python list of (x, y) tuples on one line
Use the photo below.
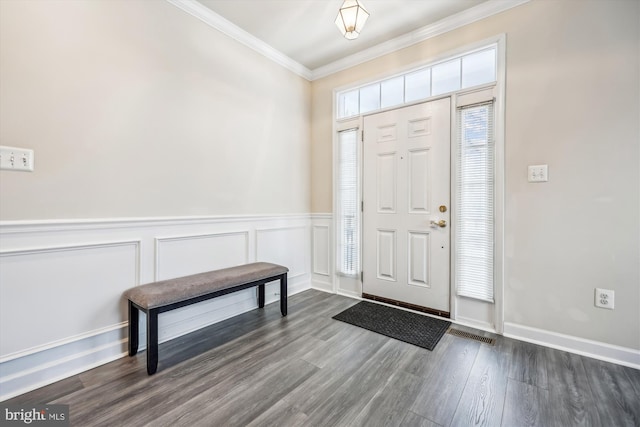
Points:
[(165, 295)]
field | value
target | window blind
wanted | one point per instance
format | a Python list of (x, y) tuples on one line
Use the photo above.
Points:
[(474, 235), (348, 226)]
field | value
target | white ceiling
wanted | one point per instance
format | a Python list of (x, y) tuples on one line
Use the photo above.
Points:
[(304, 30)]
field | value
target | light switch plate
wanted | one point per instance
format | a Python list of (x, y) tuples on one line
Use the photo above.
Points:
[(16, 159), (538, 173)]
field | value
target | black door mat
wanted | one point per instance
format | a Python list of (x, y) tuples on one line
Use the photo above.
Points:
[(416, 329)]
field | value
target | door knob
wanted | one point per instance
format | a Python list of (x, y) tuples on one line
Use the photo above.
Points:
[(441, 223)]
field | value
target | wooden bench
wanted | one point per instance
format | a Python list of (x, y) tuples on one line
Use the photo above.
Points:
[(158, 297)]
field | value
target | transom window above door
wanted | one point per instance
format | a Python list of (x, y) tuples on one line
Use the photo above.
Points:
[(453, 74)]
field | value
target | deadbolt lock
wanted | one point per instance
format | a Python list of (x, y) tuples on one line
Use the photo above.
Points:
[(443, 208)]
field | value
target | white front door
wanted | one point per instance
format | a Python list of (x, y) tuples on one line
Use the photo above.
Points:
[(406, 192)]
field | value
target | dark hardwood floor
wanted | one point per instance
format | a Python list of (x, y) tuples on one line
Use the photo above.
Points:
[(260, 369)]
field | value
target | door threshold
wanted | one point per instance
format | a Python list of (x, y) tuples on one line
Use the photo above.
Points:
[(402, 304)]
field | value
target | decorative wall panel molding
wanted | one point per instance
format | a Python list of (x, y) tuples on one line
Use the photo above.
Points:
[(288, 245), (191, 254), (322, 253), (73, 273), (72, 288), (321, 249)]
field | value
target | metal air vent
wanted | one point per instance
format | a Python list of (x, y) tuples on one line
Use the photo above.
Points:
[(470, 336)]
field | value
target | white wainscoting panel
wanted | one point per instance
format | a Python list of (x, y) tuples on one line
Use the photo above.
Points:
[(61, 284), (322, 253), (288, 246), (184, 255), (52, 293), (321, 250)]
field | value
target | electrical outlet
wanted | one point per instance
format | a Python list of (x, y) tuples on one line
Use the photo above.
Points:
[(538, 173), (605, 298), (16, 159)]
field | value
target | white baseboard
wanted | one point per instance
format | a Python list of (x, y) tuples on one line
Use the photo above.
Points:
[(472, 323), (349, 294), (321, 288), (595, 349), (37, 369), (321, 285)]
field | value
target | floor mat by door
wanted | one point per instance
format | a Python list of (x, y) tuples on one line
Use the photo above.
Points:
[(416, 329)]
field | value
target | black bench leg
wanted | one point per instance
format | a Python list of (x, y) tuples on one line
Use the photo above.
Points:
[(133, 329), (261, 296), (283, 294), (152, 341)]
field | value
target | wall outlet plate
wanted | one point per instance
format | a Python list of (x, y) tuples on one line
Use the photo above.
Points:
[(605, 298), (538, 173)]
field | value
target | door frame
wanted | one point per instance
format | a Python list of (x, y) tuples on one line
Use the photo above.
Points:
[(351, 286)]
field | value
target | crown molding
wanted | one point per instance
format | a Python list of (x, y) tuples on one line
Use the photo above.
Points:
[(216, 21), (476, 13), (468, 16)]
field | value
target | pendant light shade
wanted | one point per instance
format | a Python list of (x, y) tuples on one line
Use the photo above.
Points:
[(351, 18)]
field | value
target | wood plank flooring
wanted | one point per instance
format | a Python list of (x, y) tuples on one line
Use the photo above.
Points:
[(260, 369)]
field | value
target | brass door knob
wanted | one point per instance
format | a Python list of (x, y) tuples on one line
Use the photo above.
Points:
[(441, 223)]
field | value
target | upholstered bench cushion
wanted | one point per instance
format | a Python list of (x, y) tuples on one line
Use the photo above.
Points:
[(170, 291)]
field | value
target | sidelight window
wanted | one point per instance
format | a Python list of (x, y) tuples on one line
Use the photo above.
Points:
[(474, 235), (348, 220)]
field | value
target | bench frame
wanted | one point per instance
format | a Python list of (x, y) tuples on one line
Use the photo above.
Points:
[(152, 315)]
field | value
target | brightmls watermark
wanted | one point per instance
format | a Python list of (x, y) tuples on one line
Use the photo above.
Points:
[(34, 415)]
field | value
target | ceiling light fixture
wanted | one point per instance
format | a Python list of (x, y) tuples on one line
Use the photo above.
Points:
[(351, 18)]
